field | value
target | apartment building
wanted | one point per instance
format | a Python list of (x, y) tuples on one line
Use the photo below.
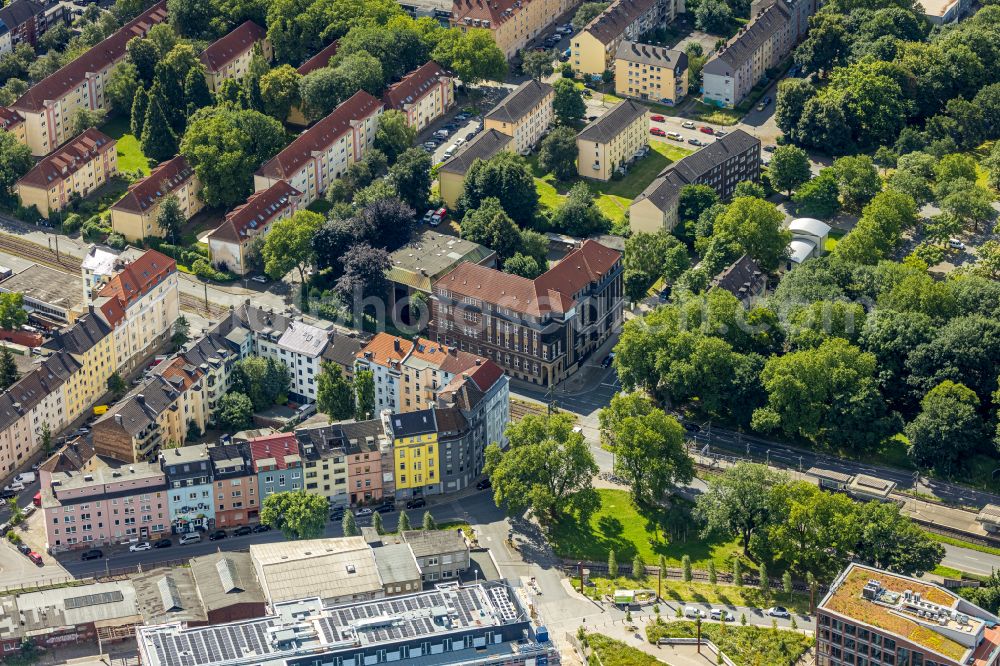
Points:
[(726, 162), (319, 155), (190, 488), (229, 57), (871, 616), (483, 396), (12, 121), (105, 504), (524, 115), (609, 143), (651, 73), (423, 95), (141, 302), (324, 463), (214, 357), (79, 167), (441, 554), (134, 215), (414, 444), (383, 356), (346, 462), (91, 344), (593, 49), (231, 244), (235, 485), (369, 457), (47, 107), (800, 10), (318, 61), (451, 174), (512, 23), (21, 22), (540, 330), (277, 462), (731, 72)]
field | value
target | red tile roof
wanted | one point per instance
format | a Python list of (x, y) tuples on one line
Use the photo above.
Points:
[(68, 159), (486, 375), (276, 446), (321, 136), (553, 291), (138, 278), (320, 60), (164, 179), (223, 51), (415, 85), (382, 349), (9, 118), (257, 212), (96, 59), (493, 11)]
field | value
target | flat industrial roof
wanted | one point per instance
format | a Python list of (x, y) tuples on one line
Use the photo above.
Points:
[(46, 285)]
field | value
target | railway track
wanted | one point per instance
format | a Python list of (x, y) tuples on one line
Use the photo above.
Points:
[(197, 305)]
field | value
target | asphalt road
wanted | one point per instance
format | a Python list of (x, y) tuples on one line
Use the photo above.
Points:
[(970, 561)]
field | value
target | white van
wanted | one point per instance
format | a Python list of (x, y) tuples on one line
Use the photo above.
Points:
[(452, 149), (192, 537), (25, 477)]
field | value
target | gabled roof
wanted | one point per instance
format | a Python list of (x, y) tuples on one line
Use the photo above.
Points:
[(261, 208), (385, 349), (162, 181), (484, 146), (140, 408), (741, 278), (138, 277), (19, 12), (415, 85), (279, 450), (485, 13), (9, 118), (611, 23), (320, 60), (612, 123), (411, 424), (321, 136), (223, 51), (69, 159), (81, 337), (647, 54), (525, 98), (96, 59), (588, 263), (749, 39)]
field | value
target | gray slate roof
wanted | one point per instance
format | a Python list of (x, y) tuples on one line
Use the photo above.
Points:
[(483, 147), (520, 102), (20, 11), (745, 43), (81, 337), (612, 123), (648, 54), (609, 24)]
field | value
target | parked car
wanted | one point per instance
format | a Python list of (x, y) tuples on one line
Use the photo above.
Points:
[(705, 129), (363, 511), (675, 136), (438, 216), (778, 611), (687, 124), (442, 133), (430, 145), (657, 119), (243, 530), (720, 133), (461, 117), (956, 244), (608, 360), (7, 493), (484, 484), (92, 554), (722, 615), (261, 527), (163, 543), (190, 537), (696, 142), (337, 513), (15, 487), (694, 612), (470, 136), (656, 131), (692, 427), (770, 149), (416, 503), (217, 535), (139, 547), (429, 215), (25, 477), (260, 279), (36, 558), (24, 548), (386, 507), (591, 118)]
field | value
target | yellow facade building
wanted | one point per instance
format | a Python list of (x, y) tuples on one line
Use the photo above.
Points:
[(525, 115), (513, 23), (91, 343), (612, 140), (415, 448), (11, 121), (423, 95), (79, 167), (134, 215), (451, 174), (48, 106), (593, 49), (229, 57), (651, 73)]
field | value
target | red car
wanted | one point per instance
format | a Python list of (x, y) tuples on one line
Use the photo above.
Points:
[(706, 130), (36, 558), (657, 131), (658, 119)]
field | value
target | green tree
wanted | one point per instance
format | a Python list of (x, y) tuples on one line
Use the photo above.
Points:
[(491, 226), (394, 135), (45, 438), (349, 525), (506, 177), (12, 312), (143, 55), (686, 568), (947, 429), (473, 55), (765, 580), (585, 13), (756, 227), (558, 153), (122, 87), (377, 523), (826, 46), (334, 394), (235, 412), (738, 579), (182, 332), (820, 197), (138, 117), (158, 140), (713, 16), (522, 265), (15, 161), (411, 174), (739, 502), (364, 395), (786, 584), (650, 453), (537, 64), (170, 217), (191, 18), (889, 540), (298, 514), (280, 90), (579, 215), (858, 180), (970, 205), (196, 92), (612, 565), (568, 102), (8, 370), (289, 245), (791, 99), (788, 169), (264, 381), (117, 385), (638, 567), (429, 523), (404, 523), (713, 576), (548, 469)]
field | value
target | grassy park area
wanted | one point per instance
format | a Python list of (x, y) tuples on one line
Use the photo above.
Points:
[(609, 652), (130, 155), (746, 645)]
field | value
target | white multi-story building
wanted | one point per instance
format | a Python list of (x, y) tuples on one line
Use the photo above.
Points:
[(383, 356), (322, 153)]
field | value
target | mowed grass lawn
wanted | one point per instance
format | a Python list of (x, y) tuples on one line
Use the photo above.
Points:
[(614, 196), (618, 525), (130, 155)]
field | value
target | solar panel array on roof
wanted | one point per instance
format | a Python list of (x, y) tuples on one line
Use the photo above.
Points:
[(213, 645), (93, 600)]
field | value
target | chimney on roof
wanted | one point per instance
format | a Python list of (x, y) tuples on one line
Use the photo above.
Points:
[(118, 419), (396, 345), (453, 351), (141, 399)]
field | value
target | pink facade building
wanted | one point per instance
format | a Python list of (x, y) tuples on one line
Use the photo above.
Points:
[(364, 471), (101, 505)]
